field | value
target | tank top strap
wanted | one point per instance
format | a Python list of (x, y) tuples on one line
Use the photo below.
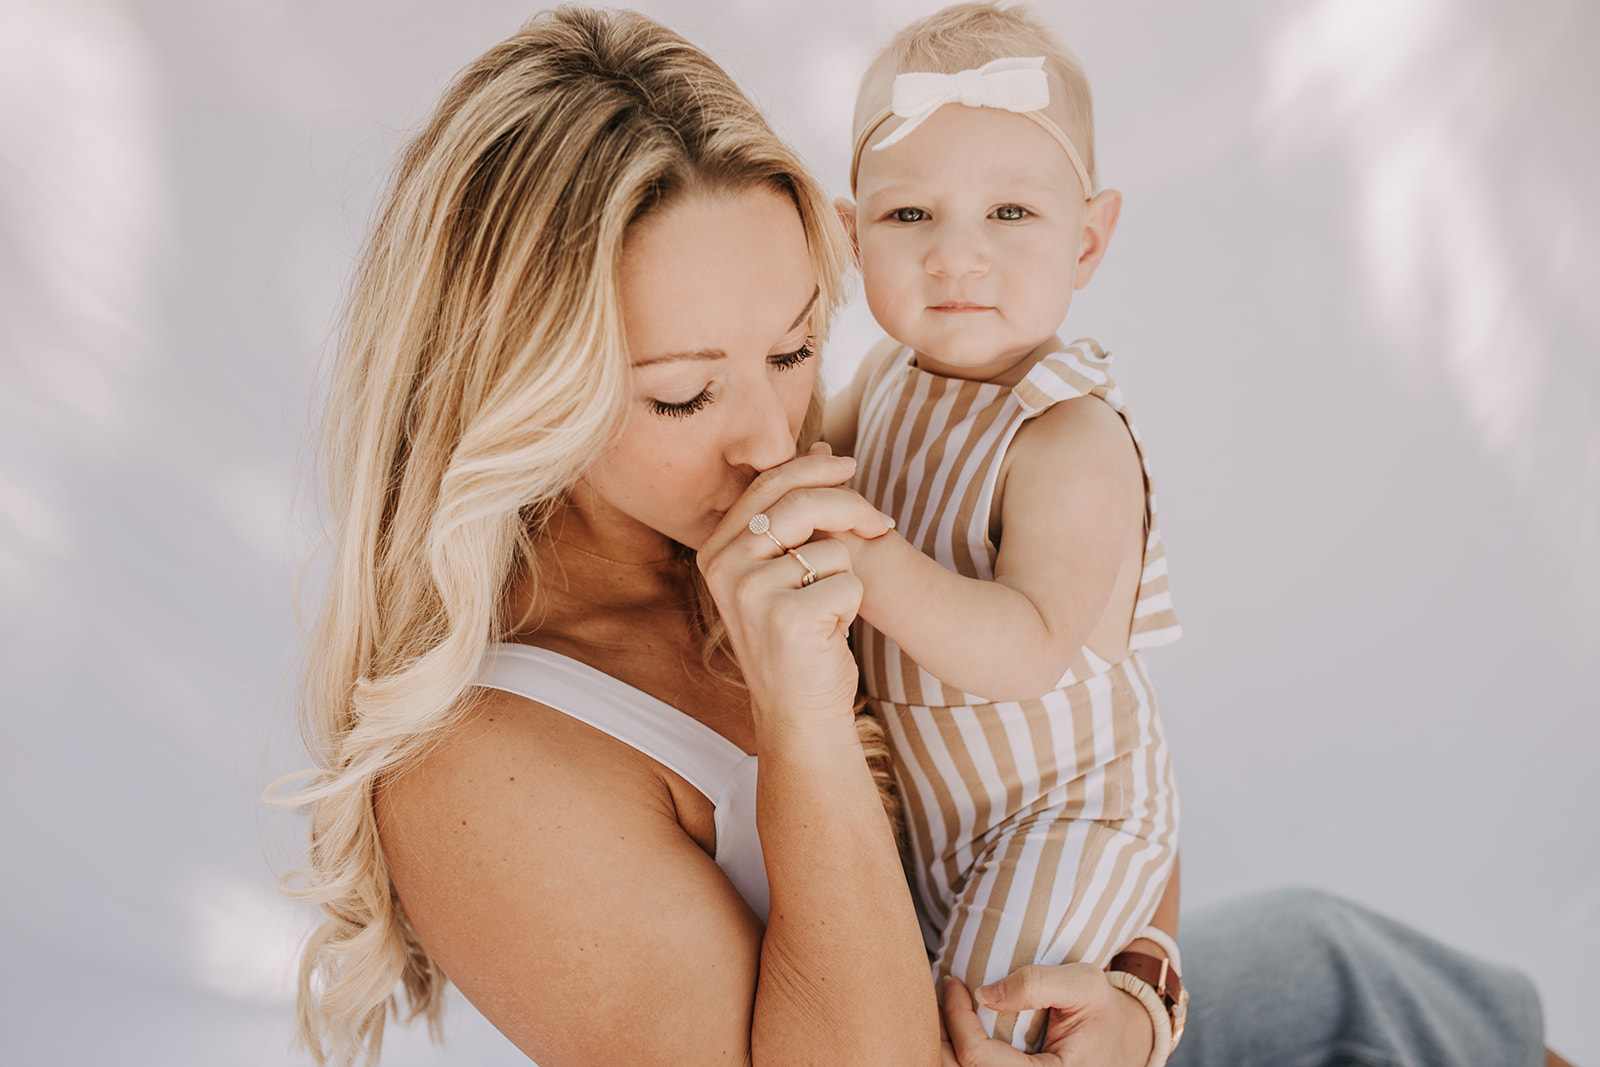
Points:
[(704, 758), (1074, 370)]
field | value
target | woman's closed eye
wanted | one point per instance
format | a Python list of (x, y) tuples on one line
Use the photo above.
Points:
[(790, 360), (682, 409)]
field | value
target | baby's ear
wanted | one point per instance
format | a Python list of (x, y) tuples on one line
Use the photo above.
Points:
[(847, 215), (1100, 217)]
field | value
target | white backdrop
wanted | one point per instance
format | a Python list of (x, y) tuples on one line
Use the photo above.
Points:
[(1352, 304)]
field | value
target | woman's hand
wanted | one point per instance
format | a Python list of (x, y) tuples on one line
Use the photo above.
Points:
[(791, 639), (1091, 1022)]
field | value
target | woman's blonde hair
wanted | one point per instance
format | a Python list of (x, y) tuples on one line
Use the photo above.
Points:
[(481, 367)]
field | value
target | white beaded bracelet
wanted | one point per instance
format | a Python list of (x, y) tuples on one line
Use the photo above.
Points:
[(1168, 945), (1159, 1019)]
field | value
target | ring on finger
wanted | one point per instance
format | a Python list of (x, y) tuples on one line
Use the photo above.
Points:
[(760, 524), (811, 572)]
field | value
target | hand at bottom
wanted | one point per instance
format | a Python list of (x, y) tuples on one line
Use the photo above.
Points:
[(1091, 1022)]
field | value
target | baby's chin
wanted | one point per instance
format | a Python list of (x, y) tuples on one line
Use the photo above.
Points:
[(979, 362)]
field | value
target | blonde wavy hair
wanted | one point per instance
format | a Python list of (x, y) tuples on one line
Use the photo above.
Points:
[(480, 368)]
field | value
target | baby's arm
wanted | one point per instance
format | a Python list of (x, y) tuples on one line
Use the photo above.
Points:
[(1071, 514), (843, 408)]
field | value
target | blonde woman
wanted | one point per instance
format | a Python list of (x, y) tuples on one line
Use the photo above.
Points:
[(584, 574)]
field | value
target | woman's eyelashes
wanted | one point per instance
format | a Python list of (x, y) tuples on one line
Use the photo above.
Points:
[(789, 360), (683, 409)]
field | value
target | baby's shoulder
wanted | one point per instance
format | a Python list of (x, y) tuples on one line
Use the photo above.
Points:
[(1080, 428), (1074, 418)]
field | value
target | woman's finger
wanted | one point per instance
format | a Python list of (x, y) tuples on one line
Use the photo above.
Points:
[(971, 1044), (1091, 1024), (1064, 987), (816, 560), (775, 588), (801, 514), (812, 470)]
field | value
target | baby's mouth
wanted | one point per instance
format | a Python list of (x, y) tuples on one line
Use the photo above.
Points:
[(960, 306)]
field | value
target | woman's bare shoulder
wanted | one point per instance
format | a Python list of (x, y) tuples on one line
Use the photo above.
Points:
[(543, 865), (505, 749)]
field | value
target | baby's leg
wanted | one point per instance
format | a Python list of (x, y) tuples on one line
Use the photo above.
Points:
[(1051, 889)]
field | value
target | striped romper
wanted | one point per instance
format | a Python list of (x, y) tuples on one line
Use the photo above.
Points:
[(1040, 831)]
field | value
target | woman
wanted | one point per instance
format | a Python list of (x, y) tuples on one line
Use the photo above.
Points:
[(582, 575)]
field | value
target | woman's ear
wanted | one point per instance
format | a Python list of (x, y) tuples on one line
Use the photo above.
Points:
[(847, 215), (1100, 217)]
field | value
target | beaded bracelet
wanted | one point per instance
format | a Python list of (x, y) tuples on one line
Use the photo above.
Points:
[(1159, 1019)]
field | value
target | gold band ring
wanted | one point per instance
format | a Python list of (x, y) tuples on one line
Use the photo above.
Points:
[(760, 524), (811, 572)]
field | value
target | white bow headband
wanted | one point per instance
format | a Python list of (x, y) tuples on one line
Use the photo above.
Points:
[(1017, 85)]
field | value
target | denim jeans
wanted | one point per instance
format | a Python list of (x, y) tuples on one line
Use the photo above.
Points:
[(1299, 978)]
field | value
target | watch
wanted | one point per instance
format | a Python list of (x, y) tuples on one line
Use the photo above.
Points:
[(1162, 991)]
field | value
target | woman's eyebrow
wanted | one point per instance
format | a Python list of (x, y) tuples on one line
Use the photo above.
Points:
[(706, 354), (798, 319), (672, 357)]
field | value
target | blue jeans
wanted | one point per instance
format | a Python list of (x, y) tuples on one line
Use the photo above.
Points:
[(1298, 978)]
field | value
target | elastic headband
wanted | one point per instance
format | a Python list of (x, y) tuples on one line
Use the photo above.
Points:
[(1016, 85)]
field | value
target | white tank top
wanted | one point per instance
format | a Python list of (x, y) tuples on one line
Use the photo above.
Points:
[(711, 763)]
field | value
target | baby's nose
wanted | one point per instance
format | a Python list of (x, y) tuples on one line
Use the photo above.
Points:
[(959, 250)]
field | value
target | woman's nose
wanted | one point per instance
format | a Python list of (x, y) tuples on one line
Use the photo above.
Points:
[(958, 250), (762, 437)]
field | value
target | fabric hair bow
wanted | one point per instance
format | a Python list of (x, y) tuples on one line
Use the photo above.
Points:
[(1008, 84), (1019, 85)]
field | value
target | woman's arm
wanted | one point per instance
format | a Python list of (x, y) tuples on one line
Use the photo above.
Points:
[(1072, 521), (844, 976), (543, 864)]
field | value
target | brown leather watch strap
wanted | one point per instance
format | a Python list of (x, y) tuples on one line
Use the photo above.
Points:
[(1152, 970)]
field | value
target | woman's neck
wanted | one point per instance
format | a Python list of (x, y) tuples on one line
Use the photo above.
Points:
[(594, 577), (626, 606)]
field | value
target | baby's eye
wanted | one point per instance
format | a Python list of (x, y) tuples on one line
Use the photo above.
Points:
[(908, 214), (1009, 212)]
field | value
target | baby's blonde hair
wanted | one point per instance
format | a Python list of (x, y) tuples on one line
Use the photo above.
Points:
[(481, 368), (966, 36)]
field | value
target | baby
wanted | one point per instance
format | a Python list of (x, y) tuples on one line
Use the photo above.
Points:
[(999, 637)]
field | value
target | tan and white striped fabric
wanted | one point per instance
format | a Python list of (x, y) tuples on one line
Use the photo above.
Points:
[(1041, 831)]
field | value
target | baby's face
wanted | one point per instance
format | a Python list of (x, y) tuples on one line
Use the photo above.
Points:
[(969, 232)]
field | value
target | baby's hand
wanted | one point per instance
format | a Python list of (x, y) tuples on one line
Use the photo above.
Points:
[(853, 540)]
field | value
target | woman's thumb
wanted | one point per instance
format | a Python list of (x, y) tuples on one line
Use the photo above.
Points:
[(1035, 987)]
